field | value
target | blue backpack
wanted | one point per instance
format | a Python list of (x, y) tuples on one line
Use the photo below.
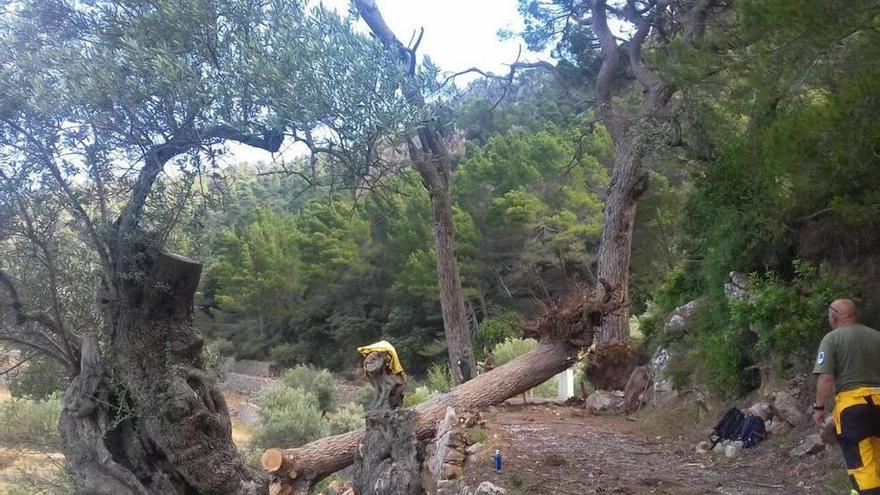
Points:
[(752, 432)]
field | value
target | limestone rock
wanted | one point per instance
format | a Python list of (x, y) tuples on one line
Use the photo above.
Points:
[(733, 449), (787, 407), (778, 426), (449, 487), (488, 488), (472, 450), (829, 432), (762, 410), (813, 444), (738, 287), (663, 390), (600, 401), (451, 471), (636, 387), (677, 321)]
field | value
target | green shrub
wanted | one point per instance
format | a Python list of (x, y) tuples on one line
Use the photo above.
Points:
[(439, 378), (349, 417), (39, 378), (513, 348), (286, 355), (493, 331), (365, 395), (215, 352), (290, 416), (317, 382), (417, 396), (789, 317), (31, 423), (650, 327), (677, 288)]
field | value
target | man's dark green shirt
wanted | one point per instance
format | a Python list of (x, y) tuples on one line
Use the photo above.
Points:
[(852, 354)]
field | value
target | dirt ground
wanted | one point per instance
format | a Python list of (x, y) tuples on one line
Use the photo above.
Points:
[(561, 449)]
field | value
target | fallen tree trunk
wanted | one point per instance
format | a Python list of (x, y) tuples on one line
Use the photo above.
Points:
[(563, 330), (312, 462)]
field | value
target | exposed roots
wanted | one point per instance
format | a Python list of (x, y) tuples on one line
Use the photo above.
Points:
[(574, 318)]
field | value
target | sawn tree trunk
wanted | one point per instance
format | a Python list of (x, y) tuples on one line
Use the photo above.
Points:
[(148, 419)]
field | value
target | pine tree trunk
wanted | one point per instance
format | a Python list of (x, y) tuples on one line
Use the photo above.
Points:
[(628, 182), (455, 325), (150, 420)]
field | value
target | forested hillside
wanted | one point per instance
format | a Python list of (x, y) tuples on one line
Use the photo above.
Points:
[(186, 181)]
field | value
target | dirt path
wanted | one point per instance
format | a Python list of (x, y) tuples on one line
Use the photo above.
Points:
[(555, 449)]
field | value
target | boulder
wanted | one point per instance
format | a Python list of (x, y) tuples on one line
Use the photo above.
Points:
[(449, 487), (778, 426), (733, 449), (472, 450), (787, 407), (487, 488), (600, 401), (440, 448), (677, 321), (762, 410), (738, 287), (829, 431), (451, 471), (663, 390), (638, 384), (813, 444)]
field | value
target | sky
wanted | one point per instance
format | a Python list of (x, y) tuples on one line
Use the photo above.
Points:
[(459, 34)]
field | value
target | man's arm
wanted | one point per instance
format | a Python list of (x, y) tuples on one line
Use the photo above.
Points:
[(824, 390)]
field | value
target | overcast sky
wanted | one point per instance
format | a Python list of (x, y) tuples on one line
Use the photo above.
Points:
[(458, 33)]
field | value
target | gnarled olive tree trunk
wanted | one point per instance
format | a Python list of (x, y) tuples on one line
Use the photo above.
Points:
[(147, 419)]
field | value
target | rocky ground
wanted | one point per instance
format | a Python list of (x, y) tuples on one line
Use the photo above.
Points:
[(561, 449)]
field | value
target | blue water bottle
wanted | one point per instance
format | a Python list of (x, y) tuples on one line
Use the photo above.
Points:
[(497, 460)]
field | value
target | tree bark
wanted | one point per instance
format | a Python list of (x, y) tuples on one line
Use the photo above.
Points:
[(629, 135), (432, 160), (455, 325), (150, 421), (628, 182)]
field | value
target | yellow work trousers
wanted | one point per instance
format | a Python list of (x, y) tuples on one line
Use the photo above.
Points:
[(857, 419)]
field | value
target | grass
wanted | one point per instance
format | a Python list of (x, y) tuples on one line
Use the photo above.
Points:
[(479, 435)]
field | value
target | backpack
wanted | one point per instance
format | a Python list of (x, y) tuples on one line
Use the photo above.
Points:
[(752, 432), (729, 427)]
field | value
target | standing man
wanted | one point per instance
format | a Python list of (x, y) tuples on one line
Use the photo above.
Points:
[(848, 364)]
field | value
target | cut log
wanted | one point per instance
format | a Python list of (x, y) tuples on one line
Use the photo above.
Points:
[(323, 457), (565, 328), (272, 459)]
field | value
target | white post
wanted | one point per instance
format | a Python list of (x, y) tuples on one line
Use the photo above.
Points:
[(565, 384)]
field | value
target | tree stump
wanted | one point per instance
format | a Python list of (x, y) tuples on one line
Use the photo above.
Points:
[(388, 460)]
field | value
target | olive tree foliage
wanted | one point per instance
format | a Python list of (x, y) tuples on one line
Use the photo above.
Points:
[(114, 117)]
